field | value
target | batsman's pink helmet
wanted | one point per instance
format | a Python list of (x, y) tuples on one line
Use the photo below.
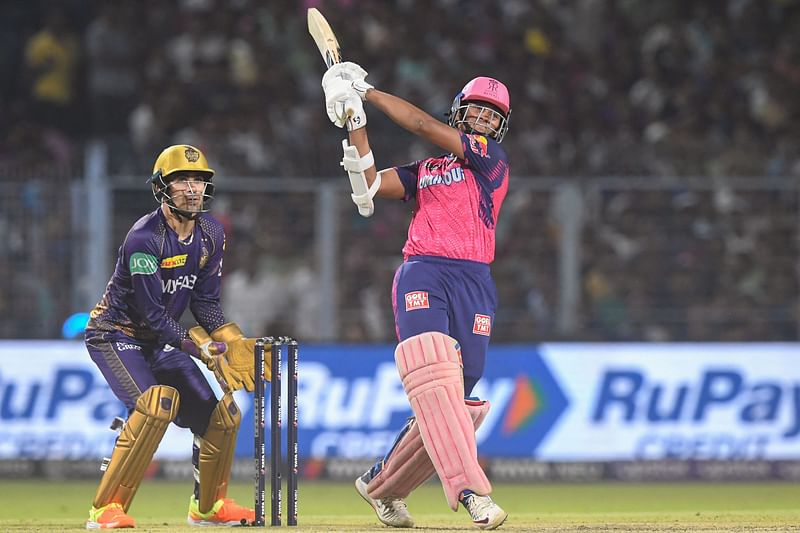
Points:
[(482, 90), (487, 90)]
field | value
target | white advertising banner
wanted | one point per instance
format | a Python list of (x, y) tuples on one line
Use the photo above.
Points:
[(675, 401)]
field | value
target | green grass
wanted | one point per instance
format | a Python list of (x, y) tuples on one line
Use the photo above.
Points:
[(585, 508)]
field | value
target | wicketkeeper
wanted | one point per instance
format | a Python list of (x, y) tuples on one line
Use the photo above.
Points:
[(443, 296), (170, 259)]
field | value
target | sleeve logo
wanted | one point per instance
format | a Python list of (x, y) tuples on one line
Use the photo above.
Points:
[(417, 300), (482, 325), (479, 145), (142, 263)]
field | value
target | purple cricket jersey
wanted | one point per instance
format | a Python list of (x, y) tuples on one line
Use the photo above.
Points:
[(134, 336), (157, 276)]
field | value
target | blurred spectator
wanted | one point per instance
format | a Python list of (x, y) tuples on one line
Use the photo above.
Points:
[(252, 293), (113, 59), (51, 63)]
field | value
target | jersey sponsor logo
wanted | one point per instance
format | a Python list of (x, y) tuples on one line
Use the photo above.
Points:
[(417, 300), (479, 145), (454, 175), (175, 261), (171, 286), (482, 325), (142, 263)]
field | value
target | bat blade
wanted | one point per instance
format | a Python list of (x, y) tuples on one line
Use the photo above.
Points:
[(324, 37)]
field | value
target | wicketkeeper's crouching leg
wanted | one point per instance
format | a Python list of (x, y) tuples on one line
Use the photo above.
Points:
[(213, 458), (134, 450)]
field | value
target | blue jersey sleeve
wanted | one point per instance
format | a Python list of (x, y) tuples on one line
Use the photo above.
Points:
[(141, 255), (205, 303), (408, 177), (486, 158)]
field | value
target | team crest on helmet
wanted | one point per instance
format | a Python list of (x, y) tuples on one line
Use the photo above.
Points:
[(191, 154), (492, 88)]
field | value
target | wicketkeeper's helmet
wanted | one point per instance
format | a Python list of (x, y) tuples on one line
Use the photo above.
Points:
[(482, 90), (181, 158)]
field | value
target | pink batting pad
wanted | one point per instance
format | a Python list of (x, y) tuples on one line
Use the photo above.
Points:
[(409, 466), (430, 368)]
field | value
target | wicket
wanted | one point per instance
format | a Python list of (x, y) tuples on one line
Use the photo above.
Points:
[(277, 346)]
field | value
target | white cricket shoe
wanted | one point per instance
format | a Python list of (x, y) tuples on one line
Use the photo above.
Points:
[(391, 511), (484, 512)]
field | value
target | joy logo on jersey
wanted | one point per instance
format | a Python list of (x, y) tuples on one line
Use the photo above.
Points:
[(142, 263), (417, 300)]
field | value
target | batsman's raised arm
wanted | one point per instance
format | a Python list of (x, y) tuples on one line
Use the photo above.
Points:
[(390, 184), (410, 117)]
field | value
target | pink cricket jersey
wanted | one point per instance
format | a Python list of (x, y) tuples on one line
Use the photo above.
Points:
[(458, 201)]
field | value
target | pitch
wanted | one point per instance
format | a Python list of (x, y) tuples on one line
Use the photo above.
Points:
[(563, 508)]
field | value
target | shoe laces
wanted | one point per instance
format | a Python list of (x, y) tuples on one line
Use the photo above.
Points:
[(477, 505), (395, 505)]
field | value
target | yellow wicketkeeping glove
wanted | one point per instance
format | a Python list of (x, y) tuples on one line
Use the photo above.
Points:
[(240, 353), (213, 354)]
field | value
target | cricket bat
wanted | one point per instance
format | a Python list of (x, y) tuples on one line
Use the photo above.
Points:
[(323, 35)]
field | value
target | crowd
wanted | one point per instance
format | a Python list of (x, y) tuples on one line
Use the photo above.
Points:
[(674, 88), (600, 87)]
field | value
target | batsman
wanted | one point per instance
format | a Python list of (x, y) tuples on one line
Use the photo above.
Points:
[(171, 259), (444, 297)]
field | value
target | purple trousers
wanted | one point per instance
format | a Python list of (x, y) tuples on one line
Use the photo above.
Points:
[(131, 367), (455, 297)]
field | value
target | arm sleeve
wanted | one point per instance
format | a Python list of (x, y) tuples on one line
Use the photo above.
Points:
[(486, 158), (205, 304), (142, 259), (408, 177)]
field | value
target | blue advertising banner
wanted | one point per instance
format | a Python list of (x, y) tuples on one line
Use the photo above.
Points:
[(550, 402)]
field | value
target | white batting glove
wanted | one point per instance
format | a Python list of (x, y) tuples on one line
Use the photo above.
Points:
[(361, 87), (354, 109), (351, 72), (344, 106), (337, 91)]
